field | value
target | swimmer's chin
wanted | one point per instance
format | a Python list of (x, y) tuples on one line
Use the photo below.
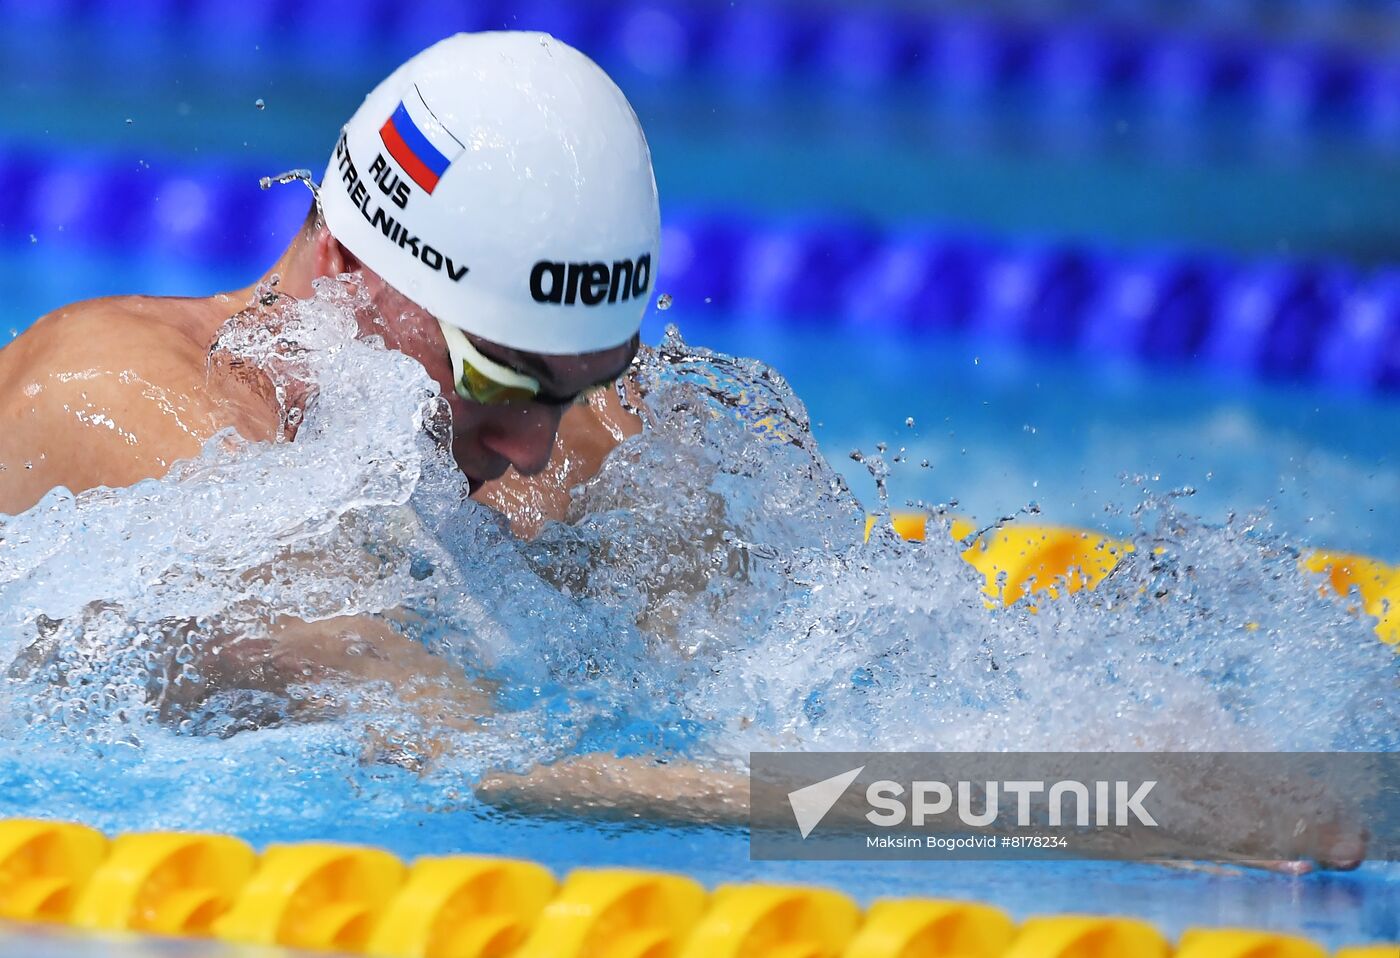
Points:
[(476, 483)]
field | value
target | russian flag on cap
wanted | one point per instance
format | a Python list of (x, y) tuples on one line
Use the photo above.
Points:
[(418, 141)]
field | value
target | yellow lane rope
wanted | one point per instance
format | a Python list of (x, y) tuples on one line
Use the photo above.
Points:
[(1017, 560), (360, 900)]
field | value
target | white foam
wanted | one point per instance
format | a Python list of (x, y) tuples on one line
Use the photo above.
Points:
[(712, 579)]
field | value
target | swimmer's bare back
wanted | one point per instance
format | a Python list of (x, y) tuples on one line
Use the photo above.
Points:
[(112, 391)]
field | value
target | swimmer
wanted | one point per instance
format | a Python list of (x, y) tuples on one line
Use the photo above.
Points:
[(495, 202)]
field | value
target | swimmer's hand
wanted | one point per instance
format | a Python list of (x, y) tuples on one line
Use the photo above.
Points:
[(1343, 849), (1344, 858), (607, 786), (361, 663)]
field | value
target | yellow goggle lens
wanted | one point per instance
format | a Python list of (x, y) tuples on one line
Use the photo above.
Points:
[(482, 380), (475, 385)]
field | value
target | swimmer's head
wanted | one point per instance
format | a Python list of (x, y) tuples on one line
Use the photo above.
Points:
[(499, 185), (502, 182), (487, 438)]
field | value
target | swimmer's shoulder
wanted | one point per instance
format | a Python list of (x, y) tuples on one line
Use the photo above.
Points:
[(102, 347), (105, 392), (93, 331)]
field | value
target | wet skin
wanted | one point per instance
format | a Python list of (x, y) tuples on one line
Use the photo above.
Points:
[(112, 391)]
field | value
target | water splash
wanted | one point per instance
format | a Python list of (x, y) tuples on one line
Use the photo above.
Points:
[(709, 594)]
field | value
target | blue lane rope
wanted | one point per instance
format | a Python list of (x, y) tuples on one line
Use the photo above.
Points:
[(1079, 63), (1289, 320), (1284, 320)]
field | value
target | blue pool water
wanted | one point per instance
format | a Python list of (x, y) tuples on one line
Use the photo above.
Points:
[(999, 430), (596, 633)]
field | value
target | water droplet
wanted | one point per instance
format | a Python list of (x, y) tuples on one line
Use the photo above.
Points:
[(129, 121), (33, 238), (259, 103), (909, 423), (923, 463), (663, 302)]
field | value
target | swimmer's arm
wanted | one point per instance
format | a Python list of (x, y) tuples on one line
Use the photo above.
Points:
[(336, 659), (681, 791), (365, 648), (635, 787)]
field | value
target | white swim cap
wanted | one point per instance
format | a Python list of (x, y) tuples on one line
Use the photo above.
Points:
[(502, 182)]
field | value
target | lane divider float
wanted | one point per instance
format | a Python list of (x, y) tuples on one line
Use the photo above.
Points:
[(322, 897), (1281, 319), (1017, 561), (1171, 71)]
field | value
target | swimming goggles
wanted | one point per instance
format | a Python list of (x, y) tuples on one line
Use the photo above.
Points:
[(482, 380), (485, 381)]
